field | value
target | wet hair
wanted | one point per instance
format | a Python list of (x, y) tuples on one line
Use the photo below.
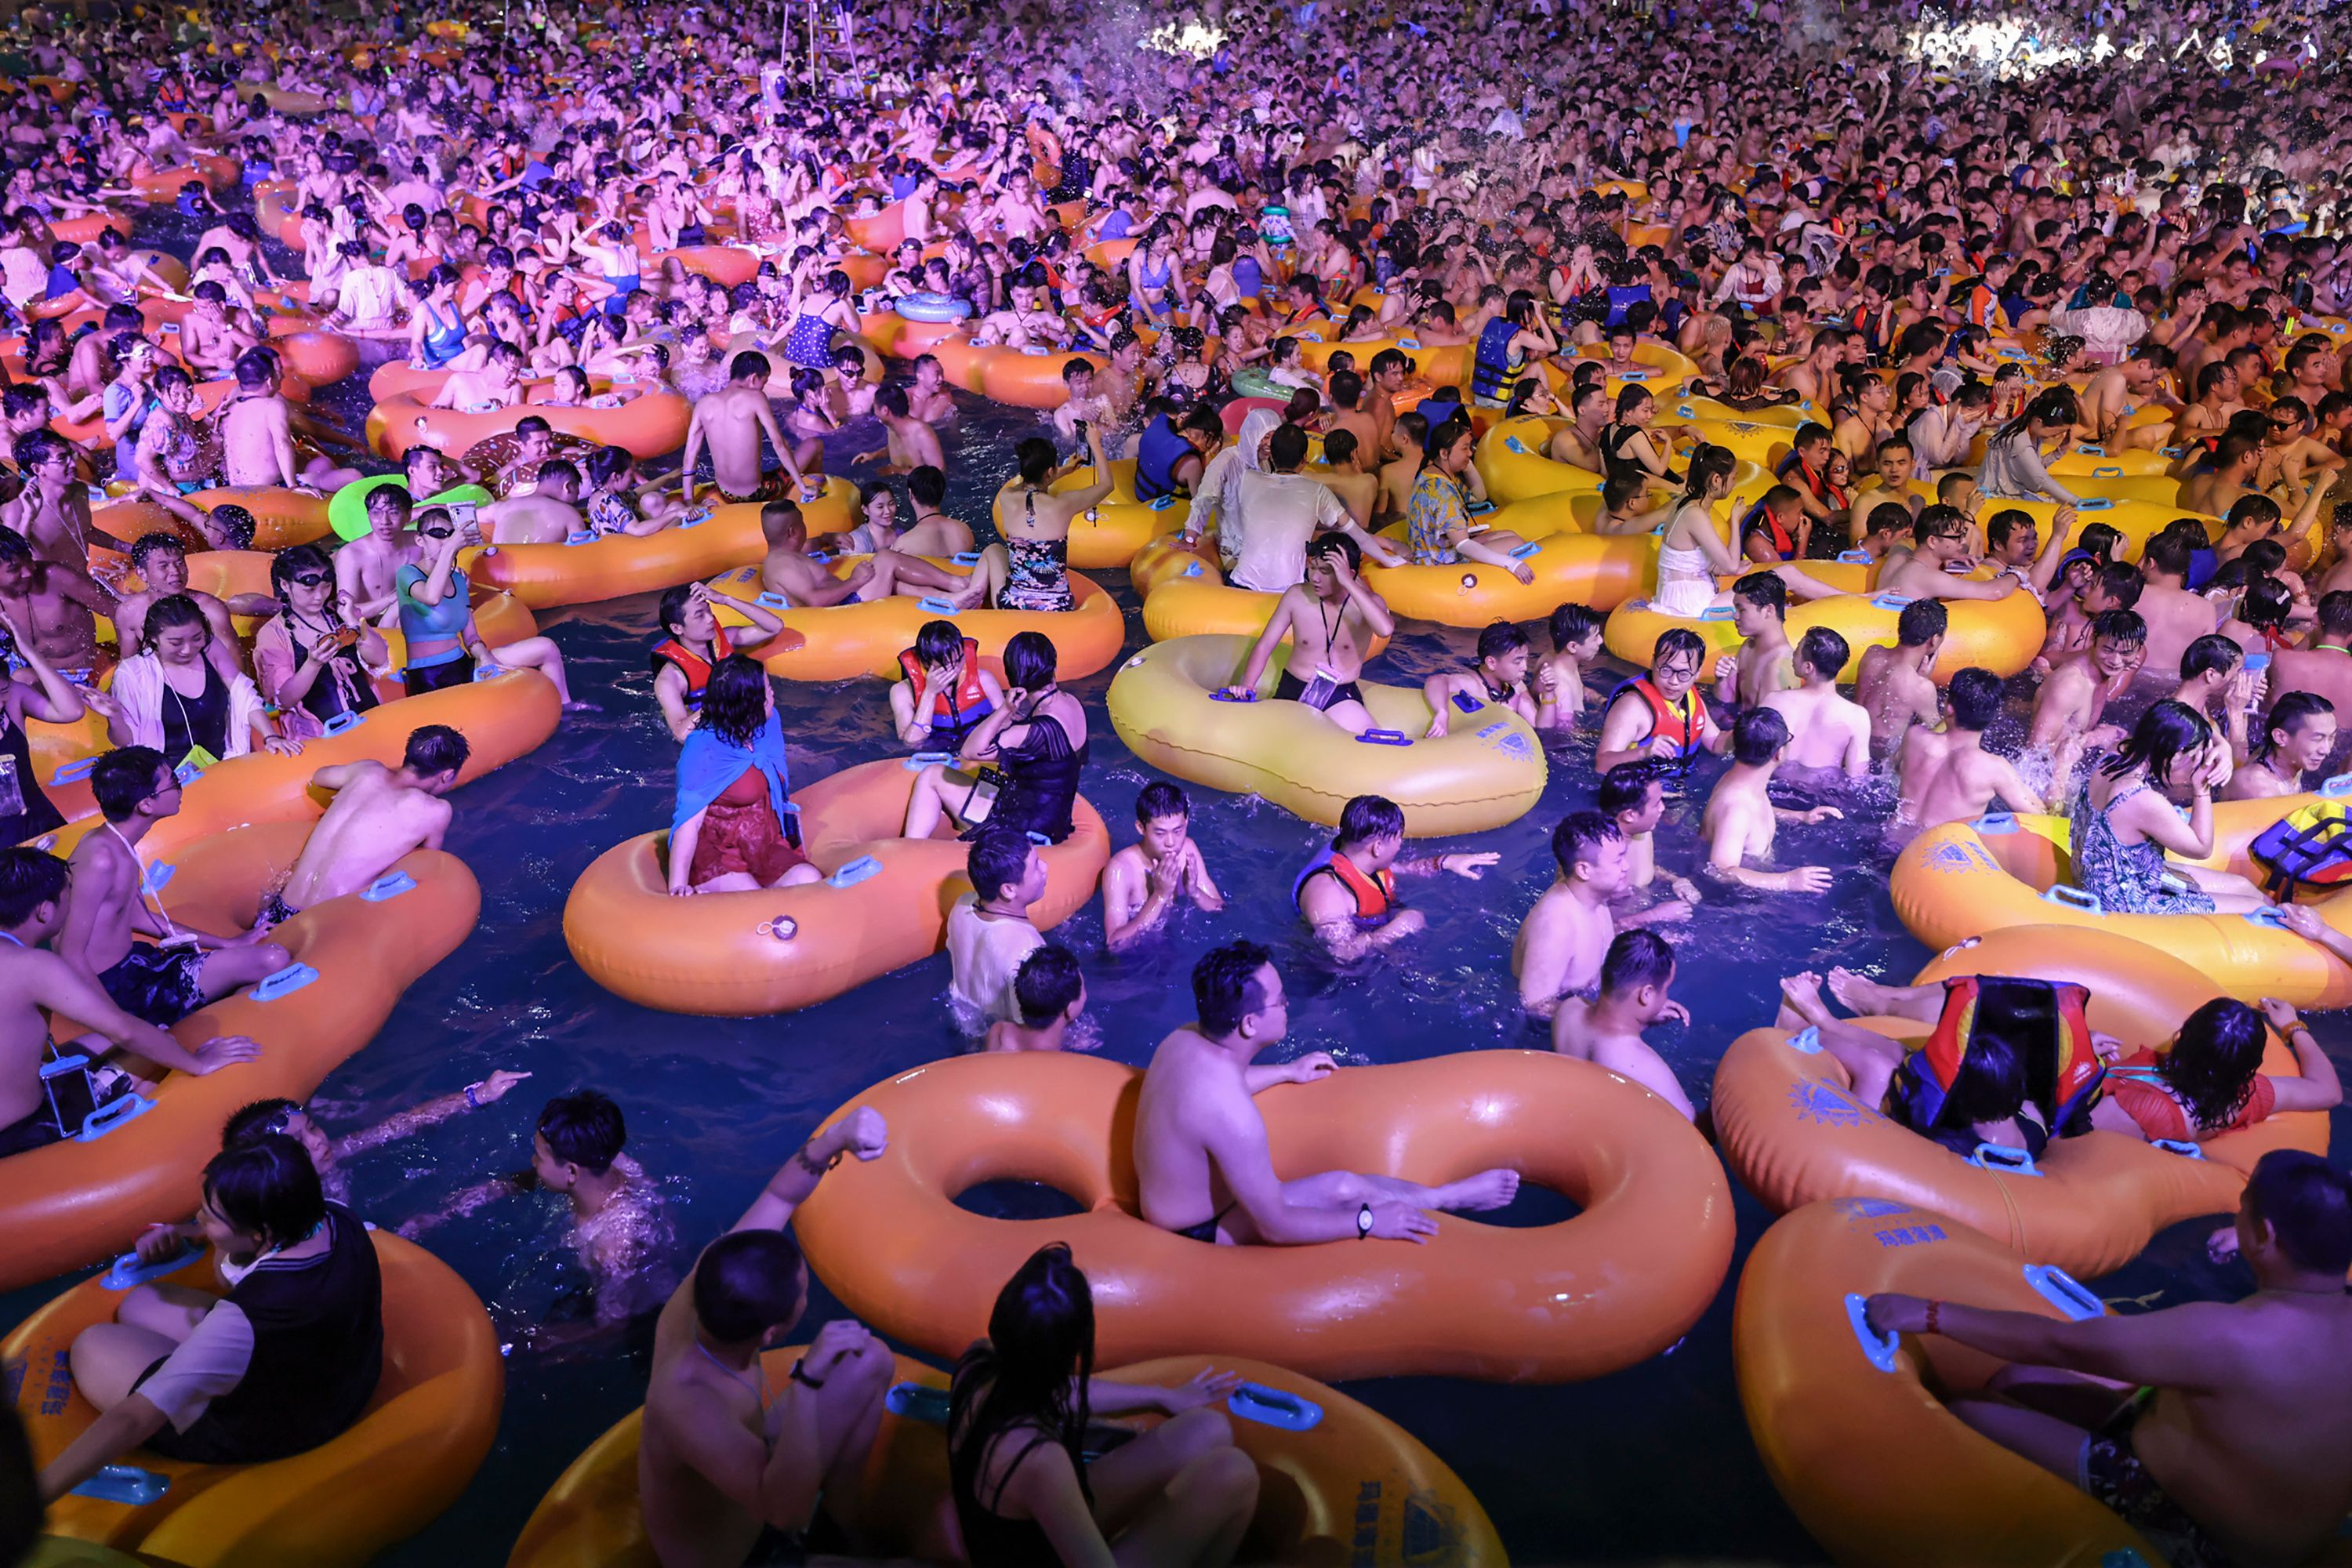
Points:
[(2307, 1203), (2168, 554), (2211, 653), (1708, 463), (1976, 698), (997, 859), (234, 524), (1035, 458), (1758, 736), (1338, 544), (747, 1282), (2290, 713), (1161, 799), (1029, 660), (267, 1188), (262, 1119), (1578, 835), (583, 1129), (1990, 1083), (735, 700), (1368, 817), (1765, 590), (1822, 651), (1636, 958), (124, 779), (1624, 787), (1921, 622), (1224, 986), (938, 642), (1047, 983), (1572, 623), (2164, 733), (926, 486), (148, 545), (749, 364), (2214, 1060), (29, 878), (1033, 1368), (1501, 640), (2121, 582), (1675, 644), (2267, 602), (2005, 523), (2124, 627), (433, 749)]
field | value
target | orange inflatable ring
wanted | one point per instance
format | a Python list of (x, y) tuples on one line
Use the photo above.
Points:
[(502, 718), (1354, 1486), (899, 338), (649, 426), (1613, 1285), (85, 229), (1967, 878), (1026, 378), (210, 394), (613, 565), (846, 641), (319, 357), (406, 1459), (882, 906), (1108, 534), (281, 518), (71, 1203), (1439, 365), (1853, 1430), (161, 189), (1790, 1129)]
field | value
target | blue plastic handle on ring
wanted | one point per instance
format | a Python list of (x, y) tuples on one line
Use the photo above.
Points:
[(1385, 738), (2063, 1291), (1478, 508), (1273, 1407), (2002, 1157), (2336, 787), (157, 877), (1995, 824), (74, 772), (777, 600), (187, 773), (1411, 346), (821, 557), (1854, 557), (1040, 839), (2267, 917), (922, 760), (1524, 550), (855, 872), (487, 671), (126, 1484), (1896, 602), (2106, 472), (349, 719), (1877, 1349), (2068, 896), (1807, 1041), (114, 1113), (1716, 613), (966, 558), (695, 518), (2090, 450), (2183, 1147), (934, 604), (391, 885), (1462, 700), (917, 1402), (1686, 410), (129, 1272), (1161, 503), (2095, 503), (1222, 695), (285, 983), (1513, 444)]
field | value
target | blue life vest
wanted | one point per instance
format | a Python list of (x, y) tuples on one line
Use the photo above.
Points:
[(1156, 452), (1491, 376)]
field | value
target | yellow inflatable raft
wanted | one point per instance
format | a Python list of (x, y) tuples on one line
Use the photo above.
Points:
[(1108, 534), (846, 641)]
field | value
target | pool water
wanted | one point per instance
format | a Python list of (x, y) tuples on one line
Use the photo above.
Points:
[(1651, 1463)]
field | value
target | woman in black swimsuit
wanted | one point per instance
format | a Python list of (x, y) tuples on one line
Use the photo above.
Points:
[(1035, 1484)]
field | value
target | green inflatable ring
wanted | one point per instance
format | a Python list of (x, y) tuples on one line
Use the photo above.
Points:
[(347, 508)]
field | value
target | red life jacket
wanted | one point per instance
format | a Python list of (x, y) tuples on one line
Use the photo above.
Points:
[(1683, 724), (2044, 1019), (954, 713), (692, 665), (1374, 895)]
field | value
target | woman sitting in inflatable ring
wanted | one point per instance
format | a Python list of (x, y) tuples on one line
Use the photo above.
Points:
[(1038, 741), (732, 828)]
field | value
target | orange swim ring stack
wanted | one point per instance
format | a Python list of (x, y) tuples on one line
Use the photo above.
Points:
[(1613, 1285)]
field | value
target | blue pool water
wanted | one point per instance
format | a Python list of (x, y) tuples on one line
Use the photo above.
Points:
[(1652, 1463)]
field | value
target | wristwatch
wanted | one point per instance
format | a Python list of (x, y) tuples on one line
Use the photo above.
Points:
[(1364, 1222), (800, 1374)]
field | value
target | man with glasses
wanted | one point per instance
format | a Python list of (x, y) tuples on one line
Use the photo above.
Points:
[(1939, 536)]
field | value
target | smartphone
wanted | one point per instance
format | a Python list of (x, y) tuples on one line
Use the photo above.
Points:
[(461, 513)]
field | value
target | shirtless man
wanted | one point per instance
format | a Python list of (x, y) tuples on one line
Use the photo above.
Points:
[(1763, 664), (1202, 1162), (1826, 731), (806, 584), (1352, 476), (496, 383), (2295, 741), (1635, 976), (378, 814), (2222, 1430), (37, 984), (1741, 820), (209, 341), (2112, 395), (1561, 942), (548, 514), (1940, 534), (1026, 323), (731, 423), (2323, 669), (1141, 883), (1346, 894), (1499, 679), (1578, 442), (257, 436), (1331, 619), (1947, 775), (51, 609), (1895, 685), (187, 967), (2236, 460), (1634, 797), (933, 532), (161, 562), (2216, 683), (2175, 616), (2068, 710), (367, 567), (910, 444), (52, 510), (721, 1460)]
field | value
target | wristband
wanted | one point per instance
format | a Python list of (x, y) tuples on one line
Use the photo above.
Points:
[(800, 1374), (471, 1091), (811, 1166), (1935, 1317)]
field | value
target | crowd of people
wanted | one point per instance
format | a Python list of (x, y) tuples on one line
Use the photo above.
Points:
[(1953, 269)]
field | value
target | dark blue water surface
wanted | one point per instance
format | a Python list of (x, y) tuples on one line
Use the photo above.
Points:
[(1651, 1463)]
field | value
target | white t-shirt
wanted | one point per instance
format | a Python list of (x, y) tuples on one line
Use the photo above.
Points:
[(1279, 513), (983, 957)]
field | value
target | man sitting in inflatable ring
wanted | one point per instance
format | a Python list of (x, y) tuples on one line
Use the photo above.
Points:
[(1201, 1159)]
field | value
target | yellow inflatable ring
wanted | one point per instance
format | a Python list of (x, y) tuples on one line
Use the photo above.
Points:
[(1355, 1485), (1571, 566), (1487, 770), (422, 1437), (882, 906), (2000, 635), (1108, 534), (846, 641), (1791, 1131), (1613, 1285), (1967, 878), (281, 518)]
